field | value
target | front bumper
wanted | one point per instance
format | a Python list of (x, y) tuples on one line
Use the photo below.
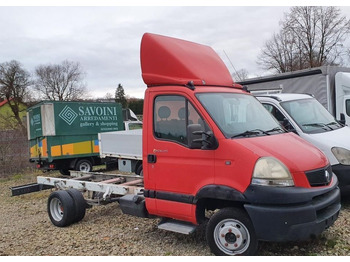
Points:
[(294, 213), (343, 174)]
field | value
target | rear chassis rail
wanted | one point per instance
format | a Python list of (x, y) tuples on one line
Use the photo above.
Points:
[(102, 188)]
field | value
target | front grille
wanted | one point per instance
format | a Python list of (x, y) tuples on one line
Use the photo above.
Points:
[(320, 177)]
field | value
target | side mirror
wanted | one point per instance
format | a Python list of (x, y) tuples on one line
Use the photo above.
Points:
[(198, 139), (342, 119), (194, 136), (288, 126)]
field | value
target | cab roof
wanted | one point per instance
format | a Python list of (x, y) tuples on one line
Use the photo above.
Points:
[(171, 61)]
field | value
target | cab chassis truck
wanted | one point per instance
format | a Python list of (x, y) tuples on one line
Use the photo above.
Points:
[(207, 145)]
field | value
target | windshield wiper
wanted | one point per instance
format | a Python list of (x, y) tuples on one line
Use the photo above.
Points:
[(332, 124), (318, 125), (275, 130), (251, 132)]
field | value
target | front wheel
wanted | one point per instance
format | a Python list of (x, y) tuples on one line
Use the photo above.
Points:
[(230, 232)]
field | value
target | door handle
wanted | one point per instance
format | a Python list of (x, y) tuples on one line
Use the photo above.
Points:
[(151, 158)]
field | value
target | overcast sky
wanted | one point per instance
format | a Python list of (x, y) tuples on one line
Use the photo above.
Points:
[(106, 40)]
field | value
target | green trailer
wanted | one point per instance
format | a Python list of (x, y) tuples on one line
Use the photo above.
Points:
[(63, 135)]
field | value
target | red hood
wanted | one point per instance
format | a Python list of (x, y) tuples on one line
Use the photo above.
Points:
[(166, 61), (297, 154)]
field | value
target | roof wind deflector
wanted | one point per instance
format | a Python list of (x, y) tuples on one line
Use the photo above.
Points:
[(171, 61)]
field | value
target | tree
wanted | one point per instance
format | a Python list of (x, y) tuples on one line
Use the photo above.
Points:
[(14, 84), (120, 96), (309, 37), (136, 105), (63, 82), (108, 96), (240, 75)]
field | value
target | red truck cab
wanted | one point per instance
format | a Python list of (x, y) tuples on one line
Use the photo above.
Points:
[(209, 145)]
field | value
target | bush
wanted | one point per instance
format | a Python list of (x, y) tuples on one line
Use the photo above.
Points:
[(14, 152)]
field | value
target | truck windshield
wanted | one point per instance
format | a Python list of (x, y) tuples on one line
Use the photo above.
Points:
[(239, 115), (310, 115)]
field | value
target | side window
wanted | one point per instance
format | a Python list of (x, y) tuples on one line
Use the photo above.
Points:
[(268, 107), (275, 112), (279, 116), (172, 115)]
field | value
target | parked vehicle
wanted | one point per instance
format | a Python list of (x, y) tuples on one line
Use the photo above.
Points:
[(63, 135), (131, 122), (330, 85), (305, 116), (209, 146), (123, 147)]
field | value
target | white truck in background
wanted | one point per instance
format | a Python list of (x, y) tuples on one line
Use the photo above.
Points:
[(330, 85), (305, 116), (124, 147)]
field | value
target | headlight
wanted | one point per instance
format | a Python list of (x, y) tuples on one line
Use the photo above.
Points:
[(342, 155), (269, 171)]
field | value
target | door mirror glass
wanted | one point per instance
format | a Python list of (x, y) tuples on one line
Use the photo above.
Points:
[(194, 136), (199, 139), (342, 119)]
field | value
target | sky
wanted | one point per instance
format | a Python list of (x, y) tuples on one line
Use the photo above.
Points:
[(105, 40)]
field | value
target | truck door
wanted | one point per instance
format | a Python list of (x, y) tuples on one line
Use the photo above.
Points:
[(177, 171)]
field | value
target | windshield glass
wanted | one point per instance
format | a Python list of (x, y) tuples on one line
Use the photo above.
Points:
[(239, 115), (310, 115)]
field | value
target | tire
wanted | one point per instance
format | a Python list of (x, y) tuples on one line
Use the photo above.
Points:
[(79, 204), (83, 165), (60, 207), (65, 172), (230, 232), (139, 171)]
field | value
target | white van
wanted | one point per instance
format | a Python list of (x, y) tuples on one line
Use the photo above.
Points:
[(305, 116)]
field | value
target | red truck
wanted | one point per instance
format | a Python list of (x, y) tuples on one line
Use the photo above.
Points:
[(209, 146)]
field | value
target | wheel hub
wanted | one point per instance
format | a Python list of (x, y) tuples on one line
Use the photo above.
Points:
[(56, 209), (231, 237), (84, 167)]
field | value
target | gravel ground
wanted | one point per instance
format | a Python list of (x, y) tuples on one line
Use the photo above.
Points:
[(27, 230)]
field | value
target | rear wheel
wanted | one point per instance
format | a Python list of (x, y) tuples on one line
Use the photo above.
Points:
[(79, 204), (60, 207), (83, 165), (230, 232)]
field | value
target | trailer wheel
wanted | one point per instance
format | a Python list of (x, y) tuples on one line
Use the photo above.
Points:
[(230, 232), (60, 207), (79, 204), (83, 165)]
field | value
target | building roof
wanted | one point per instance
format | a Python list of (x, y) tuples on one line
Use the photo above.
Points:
[(3, 102)]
